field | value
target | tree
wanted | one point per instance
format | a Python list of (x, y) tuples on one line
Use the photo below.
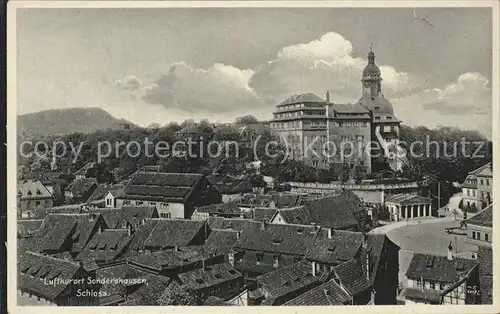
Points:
[(247, 120), (176, 294)]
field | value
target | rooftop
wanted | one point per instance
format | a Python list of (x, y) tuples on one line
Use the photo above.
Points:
[(483, 218), (106, 246), (209, 276), (302, 98), (407, 199), (161, 186), (328, 293), (439, 268), (32, 189)]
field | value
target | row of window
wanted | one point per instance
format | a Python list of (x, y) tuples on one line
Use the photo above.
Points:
[(477, 236), (142, 203), (482, 182), (297, 106), (432, 285), (353, 124)]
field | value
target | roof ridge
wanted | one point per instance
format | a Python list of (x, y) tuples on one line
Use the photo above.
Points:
[(51, 257)]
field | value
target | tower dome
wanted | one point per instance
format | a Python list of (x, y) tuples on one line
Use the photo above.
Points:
[(371, 70)]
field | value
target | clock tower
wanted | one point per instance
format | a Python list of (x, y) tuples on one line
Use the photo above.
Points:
[(371, 79)]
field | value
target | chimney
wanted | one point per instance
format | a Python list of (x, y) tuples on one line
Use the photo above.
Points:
[(176, 248), (327, 96), (330, 233), (100, 229), (203, 264), (231, 258), (263, 225), (129, 230), (238, 234), (450, 252), (313, 264)]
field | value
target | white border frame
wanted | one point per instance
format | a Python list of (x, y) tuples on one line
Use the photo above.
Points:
[(12, 6)]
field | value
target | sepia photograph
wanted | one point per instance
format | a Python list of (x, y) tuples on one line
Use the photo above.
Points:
[(239, 154)]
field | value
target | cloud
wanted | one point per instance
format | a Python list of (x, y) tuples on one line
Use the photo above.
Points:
[(217, 90), (223, 92), (323, 64), (465, 103), (129, 83)]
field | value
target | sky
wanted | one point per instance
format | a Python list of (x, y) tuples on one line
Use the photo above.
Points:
[(163, 65)]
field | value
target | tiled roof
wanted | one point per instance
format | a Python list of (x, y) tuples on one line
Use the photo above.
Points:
[(348, 108), (342, 247), (328, 293), (230, 223), (211, 275), (377, 245), (485, 259), (422, 295), (163, 233), (103, 189), (80, 186), (83, 170), (121, 217), (352, 276), (439, 268), (302, 98), (54, 231), (264, 213), (223, 208), (266, 261), (477, 171), (32, 267), (221, 241), (154, 287), (120, 271), (483, 218), (385, 108), (334, 211), (161, 186), (287, 279), (106, 246), (229, 185), (297, 215), (28, 227), (406, 199), (287, 239), (32, 189), (168, 259)]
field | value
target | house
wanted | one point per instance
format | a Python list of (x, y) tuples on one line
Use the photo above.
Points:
[(53, 281), (60, 233), (32, 195), (236, 224), (264, 213), (433, 279), (218, 280), (408, 206), (343, 211), (98, 197), (480, 228), (175, 195), (112, 195), (106, 246), (82, 172), (80, 189), (172, 262), (485, 260), (477, 187), (226, 210), (229, 187), (131, 281), (221, 242), (124, 217), (161, 234), (355, 280), (264, 247), (328, 293), (285, 284), (28, 227)]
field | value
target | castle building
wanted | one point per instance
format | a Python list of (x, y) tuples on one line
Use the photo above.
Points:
[(323, 133)]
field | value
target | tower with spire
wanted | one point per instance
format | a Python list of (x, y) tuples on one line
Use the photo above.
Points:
[(371, 79)]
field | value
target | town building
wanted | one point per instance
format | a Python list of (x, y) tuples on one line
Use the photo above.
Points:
[(98, 197), (125, 217), (219, 280), (480, 228), (309, 124), (44, 280), (407, 206), (343, 211), (161, 234), (230, 188), (80, 189), (285, 284), (106, 246), (226, 210), (32, 195), (175, 195), (477, 187), (433, 279)]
